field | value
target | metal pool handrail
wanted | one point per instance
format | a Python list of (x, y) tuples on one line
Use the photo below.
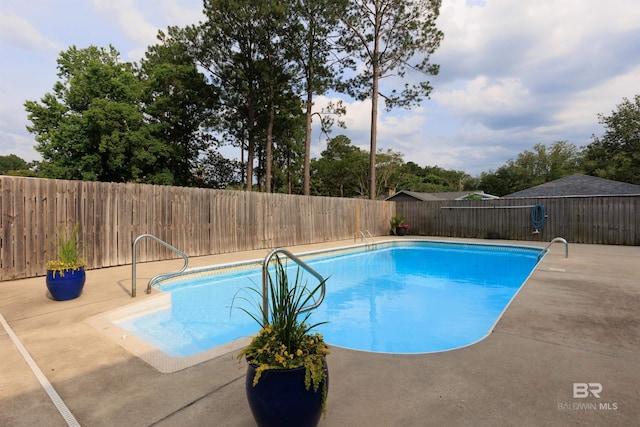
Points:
[(363, 236), (556, 240), (265, 279), (159, 276)]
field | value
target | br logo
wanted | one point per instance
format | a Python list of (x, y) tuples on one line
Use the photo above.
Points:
[(584, 390)]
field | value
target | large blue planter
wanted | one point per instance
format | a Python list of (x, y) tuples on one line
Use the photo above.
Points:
[(280, 398), (67, 285)]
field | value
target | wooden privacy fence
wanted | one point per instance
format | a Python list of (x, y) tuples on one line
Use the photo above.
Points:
[(612, 220), (196, 221)]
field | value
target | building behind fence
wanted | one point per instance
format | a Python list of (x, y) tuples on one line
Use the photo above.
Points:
[(194, 220), (205, 222)]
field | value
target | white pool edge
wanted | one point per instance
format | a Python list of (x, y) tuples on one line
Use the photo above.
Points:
[(106, 323)]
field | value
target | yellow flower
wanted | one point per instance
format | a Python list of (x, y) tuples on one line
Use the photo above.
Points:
[(299, 352)]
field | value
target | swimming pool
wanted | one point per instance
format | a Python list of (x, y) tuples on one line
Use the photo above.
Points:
[(402, 297)]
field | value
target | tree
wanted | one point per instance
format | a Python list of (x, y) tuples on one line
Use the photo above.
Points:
[(545, 164), (288, 151), (431, 179), (215, 171), (313, 49), (92, 127), (616, 154), (341, 170), (388, 166), (532, 168), (242, 46), (386, 35), (225, 46), (178, 103), (505, 180), (11, 163), (277, 72)]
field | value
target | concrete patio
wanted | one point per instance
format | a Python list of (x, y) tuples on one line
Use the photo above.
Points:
[(577, 320)]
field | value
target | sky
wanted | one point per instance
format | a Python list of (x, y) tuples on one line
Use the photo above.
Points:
[(513, 73)]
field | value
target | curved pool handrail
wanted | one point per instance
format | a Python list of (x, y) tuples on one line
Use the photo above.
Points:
[(556, 240), (159, 276), (365, 235), (265, 277)]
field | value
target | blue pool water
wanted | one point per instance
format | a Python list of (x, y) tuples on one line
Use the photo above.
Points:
[(410, 297)]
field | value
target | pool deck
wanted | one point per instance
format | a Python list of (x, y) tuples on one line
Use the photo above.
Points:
[(576, 320)]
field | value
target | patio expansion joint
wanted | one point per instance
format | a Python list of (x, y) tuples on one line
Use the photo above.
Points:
[(42, 379), (573, 347), (193, 402)]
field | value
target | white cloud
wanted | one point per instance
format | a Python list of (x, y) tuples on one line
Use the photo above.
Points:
[(181, 13), (125, 14), (482, 96), (140, 20), (583, 107), (16, 31)]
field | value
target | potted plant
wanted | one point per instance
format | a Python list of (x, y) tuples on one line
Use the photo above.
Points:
[(66, 274), (399, 226), (402, 229), (287, 376)]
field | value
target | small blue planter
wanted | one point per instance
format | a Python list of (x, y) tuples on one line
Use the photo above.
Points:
[(67, 285), (280, 398)]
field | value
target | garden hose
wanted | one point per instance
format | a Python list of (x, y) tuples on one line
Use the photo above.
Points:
[(538, 214)]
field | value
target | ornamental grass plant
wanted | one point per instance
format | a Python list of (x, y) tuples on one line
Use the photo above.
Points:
[(68, 253), (285, 341)]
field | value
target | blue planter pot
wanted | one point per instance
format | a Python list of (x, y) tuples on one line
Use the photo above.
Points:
[(280, 398), (67, 285)]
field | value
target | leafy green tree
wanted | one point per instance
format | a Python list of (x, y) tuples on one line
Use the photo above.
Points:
[(11, 163), (388, 167), (616, 154), (387, 36), (532, 168), (341, 170), (92, 126), (545, 164), (505, 180), (224, 45), (178, 103), (241, 44), (288, 151), (432, 179), (216, 171)]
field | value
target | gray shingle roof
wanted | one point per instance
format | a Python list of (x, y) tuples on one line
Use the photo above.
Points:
[(578, 185), (405, 195)]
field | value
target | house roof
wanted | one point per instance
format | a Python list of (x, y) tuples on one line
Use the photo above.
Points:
[(578, 185), (450, 195)]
